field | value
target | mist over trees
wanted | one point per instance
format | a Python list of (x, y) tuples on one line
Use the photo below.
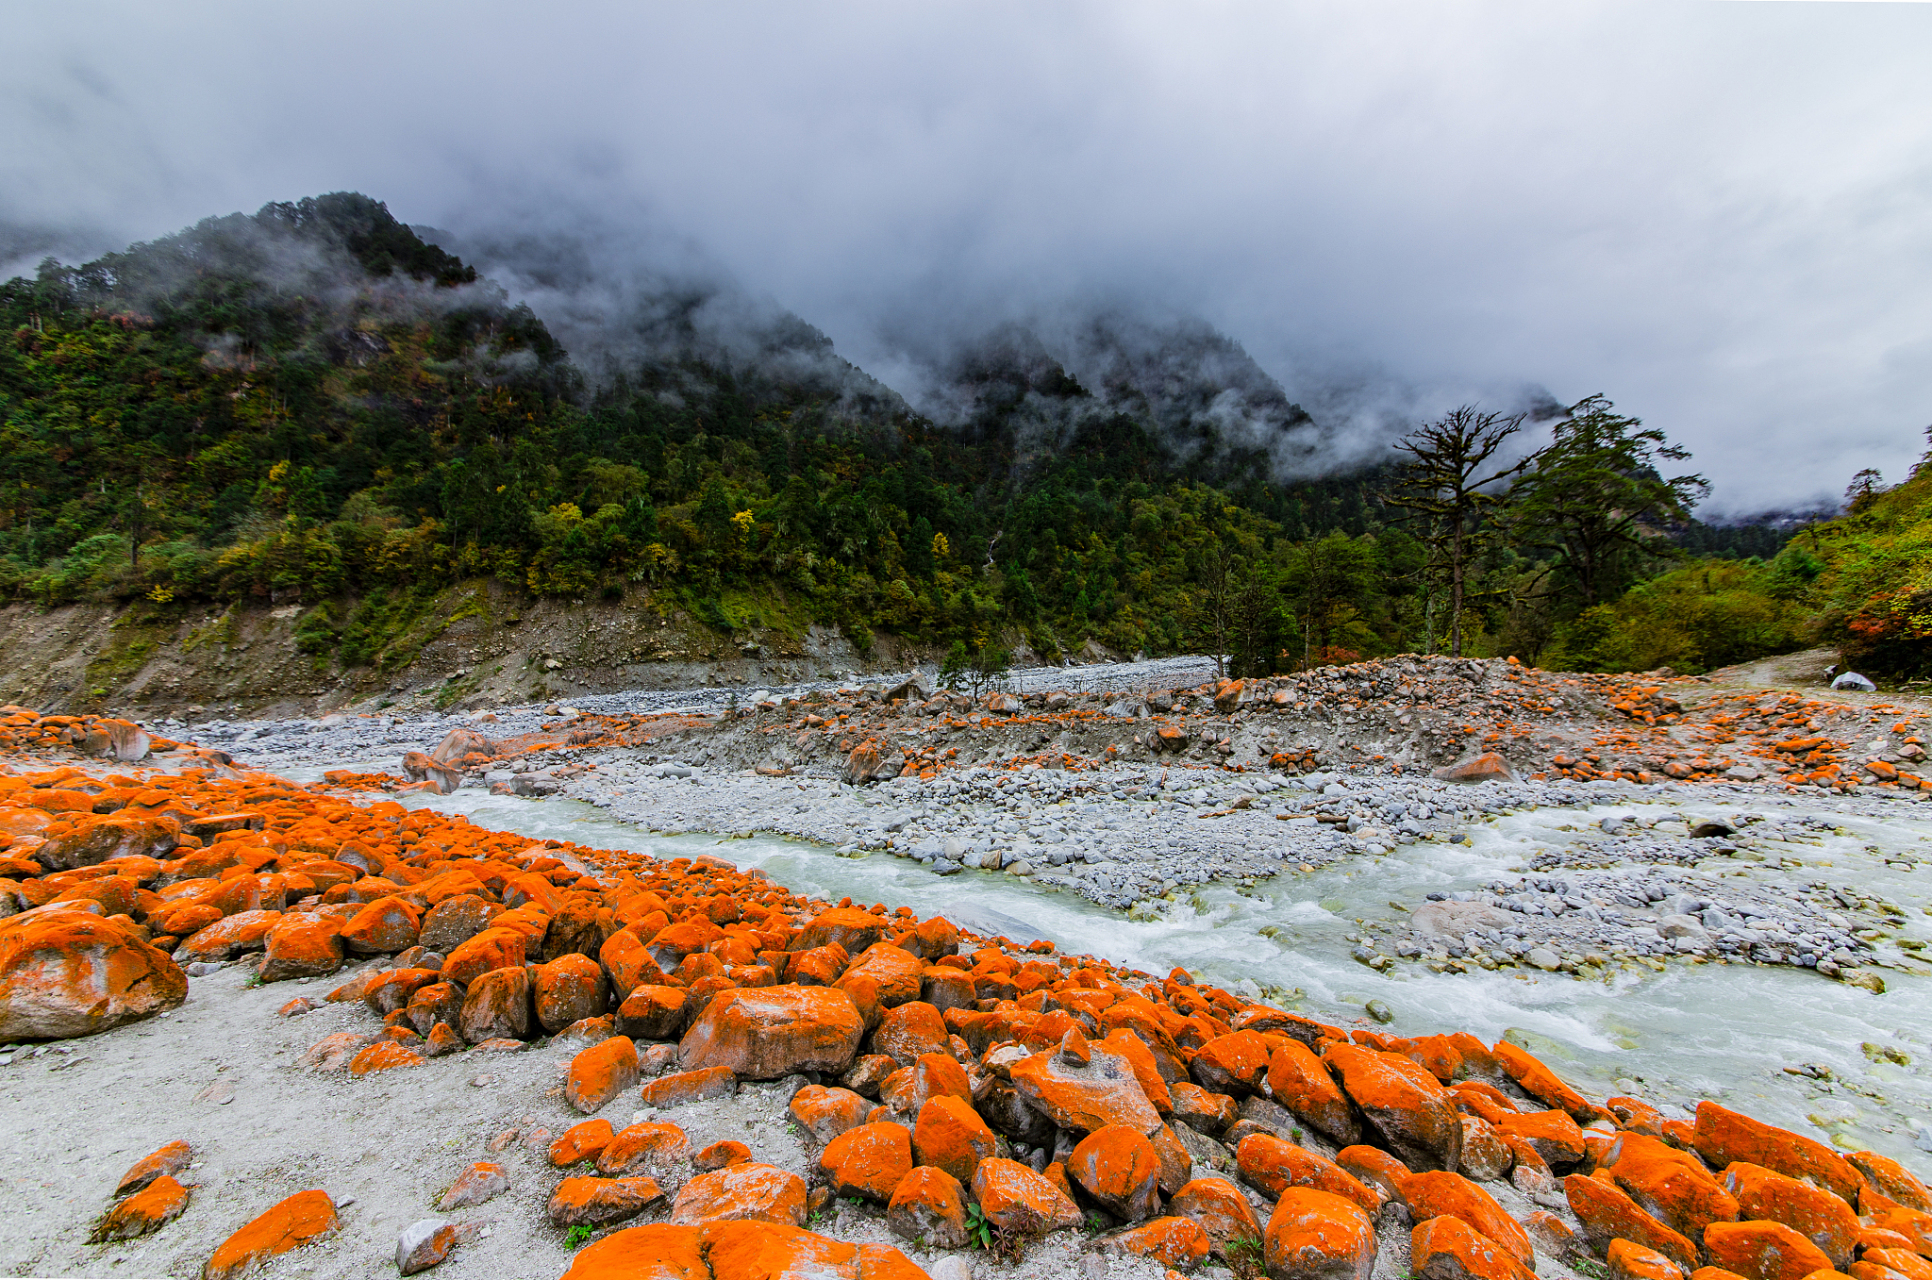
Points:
[(314, 405)]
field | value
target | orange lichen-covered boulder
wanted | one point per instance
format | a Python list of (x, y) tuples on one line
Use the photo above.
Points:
[(818, 967), (1631, 1261), (1298, 1080), (1670, 1185), (1724, 1137), (144, 1212), (720, 1155), (758, 1251), (868, 1161), (936, 936), (1147, 1069), (937, 1075), (70, 973), (433, 1004), (928, 1207), (1763, 1250), (492, 949), (600, 1073), (1177, 1164), (382, 1056), (762, 1033), (1607, 1214), (1485, 1157), (1440, 1194), (1234, 1064), (909, 1030), (828, 1112), (754, 1192), (454, 921), (1450, 1249), (950, 1135), (1312, 1235), (481, 1182), (333, 1052), (1374, 1168), (851, 928), (1403, 1103), (1119, 1169), (1813, 1212), (1015, 1198), (1084, 1096), (95, 839), (1204, 1112), (1909, 1224), (304, 1217), (1177, 1242), (883, 1262), (228, 937), (170, 1160), (1541, 1083), (900, 975), (661, 1251), (1902, 1261), (1553, 1133), (1220, 1209), (384, 927), (595, 1201), (1891, 1180), (584, 1141), (497, 1006), (652, 1012), (300, 945), (661, 1150), (568, 989), (1272, 1165), (686, 1087)]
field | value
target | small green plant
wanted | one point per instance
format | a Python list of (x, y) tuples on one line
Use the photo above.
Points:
[(1007, 1242), (1244, 1257), (978, 1230), (577, 1236), (1096, 1223), (1587, 1266)]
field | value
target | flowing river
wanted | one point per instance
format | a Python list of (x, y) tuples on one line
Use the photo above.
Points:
[(1726, 1032)]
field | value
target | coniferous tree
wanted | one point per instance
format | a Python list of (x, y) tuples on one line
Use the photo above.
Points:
[(1456, 488)]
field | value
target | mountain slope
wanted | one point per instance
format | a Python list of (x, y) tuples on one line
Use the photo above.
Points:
[(313, 405)]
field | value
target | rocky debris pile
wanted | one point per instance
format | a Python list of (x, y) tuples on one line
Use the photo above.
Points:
[(24, 732), (1391, 714), (1786, 737), (1581, 921)]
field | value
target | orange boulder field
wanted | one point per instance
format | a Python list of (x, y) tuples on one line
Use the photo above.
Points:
[(977, 1093)]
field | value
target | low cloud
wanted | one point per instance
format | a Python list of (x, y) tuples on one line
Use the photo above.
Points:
[(1711, 212)]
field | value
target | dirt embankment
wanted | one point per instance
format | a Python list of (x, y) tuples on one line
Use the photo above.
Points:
[(474, 645)]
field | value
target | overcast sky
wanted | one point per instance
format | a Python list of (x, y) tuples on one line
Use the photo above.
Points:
[(1714, 212)]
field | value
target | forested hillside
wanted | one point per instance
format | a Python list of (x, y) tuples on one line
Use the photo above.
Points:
[(312, 405)]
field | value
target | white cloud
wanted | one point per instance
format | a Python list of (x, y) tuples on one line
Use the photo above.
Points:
[(1715, 213)]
